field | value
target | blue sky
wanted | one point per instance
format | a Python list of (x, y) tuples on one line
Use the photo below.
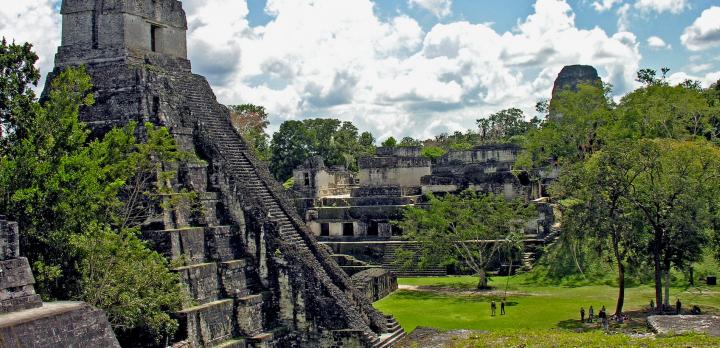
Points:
[(417, 67)]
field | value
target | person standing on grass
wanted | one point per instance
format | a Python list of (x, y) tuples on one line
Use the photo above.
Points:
[(591, 314), (582, 314), (502, 307), (603, 318), (678, 306), (493, 306)]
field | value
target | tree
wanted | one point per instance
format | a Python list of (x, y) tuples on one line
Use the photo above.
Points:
[(410, 142), (470, 227), (59, 185), (432, 152), (337, 142), (597, 209), (121, 275), (502, 126), (674, 185), (251, 121), (389, 142), (17, 68)]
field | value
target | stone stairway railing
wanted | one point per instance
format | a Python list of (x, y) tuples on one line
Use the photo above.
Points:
[(252, 183)]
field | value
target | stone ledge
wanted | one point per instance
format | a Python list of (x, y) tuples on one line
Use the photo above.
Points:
[(680, 324)]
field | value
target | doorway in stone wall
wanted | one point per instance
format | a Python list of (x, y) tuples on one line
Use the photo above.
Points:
[(373, 229), (348, 229)]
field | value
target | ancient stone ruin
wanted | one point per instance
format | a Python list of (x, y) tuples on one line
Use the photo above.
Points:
[(255, 273), (352, 213), (571, 77), (26, 322)]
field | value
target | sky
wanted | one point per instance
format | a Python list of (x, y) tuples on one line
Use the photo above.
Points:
[(416, 67)]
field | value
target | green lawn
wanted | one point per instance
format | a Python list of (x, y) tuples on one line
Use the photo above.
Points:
[(449, 303)]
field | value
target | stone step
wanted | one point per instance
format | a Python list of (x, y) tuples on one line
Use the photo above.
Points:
[(208, 324), (390, 339), (201, 282), (233, 343), (186, 244)]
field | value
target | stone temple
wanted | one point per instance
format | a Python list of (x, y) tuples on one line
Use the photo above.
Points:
[(255, 273)]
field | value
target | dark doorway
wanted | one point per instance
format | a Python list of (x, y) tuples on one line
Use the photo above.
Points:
[(154, 31), (373, 228), (325, 229), (348, 229)]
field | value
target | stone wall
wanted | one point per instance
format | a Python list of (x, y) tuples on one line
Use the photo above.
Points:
[(26, 322), (375, 283)]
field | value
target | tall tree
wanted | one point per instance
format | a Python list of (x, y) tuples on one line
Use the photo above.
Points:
[(470, 227), (337, 142), (251, 121), (597, 209), (673, 181), (19, 75)]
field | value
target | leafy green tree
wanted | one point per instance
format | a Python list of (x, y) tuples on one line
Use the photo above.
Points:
[(251, 121), (432, 152), (410, 142), (121, 275), (674, 179), (469, 227), (19, 75), (337, 142), (389, 142), (58, 184), (597, 208), (575, 133), (659, 110), (502, 126), (292, 144)]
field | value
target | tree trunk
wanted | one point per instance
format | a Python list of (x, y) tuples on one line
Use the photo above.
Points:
[(658, 270), (482, 282), (667, 285), (621, 278)]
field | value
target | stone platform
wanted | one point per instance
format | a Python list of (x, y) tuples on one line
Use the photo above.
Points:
[(59, 324), (679, 324)]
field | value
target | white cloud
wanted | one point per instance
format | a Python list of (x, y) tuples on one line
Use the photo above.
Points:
[(392, 78), (705, 80), (658, 43), (704, 32), (623, 14), (660, 6), (386, 74), (34, 21), (440, 8), (605, 5)]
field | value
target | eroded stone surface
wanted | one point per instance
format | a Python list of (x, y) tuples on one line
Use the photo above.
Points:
[(679, 324)]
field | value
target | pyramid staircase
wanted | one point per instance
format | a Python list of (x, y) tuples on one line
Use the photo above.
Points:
[(225, 285)]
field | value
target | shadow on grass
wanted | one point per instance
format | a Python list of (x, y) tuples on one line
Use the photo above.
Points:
[(574, 325), (404, 295)]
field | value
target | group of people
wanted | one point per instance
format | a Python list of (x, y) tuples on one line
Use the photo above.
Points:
[(602, 315), (678, 307), (493, 308)]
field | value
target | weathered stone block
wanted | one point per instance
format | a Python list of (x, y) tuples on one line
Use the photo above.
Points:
[(59, 324), (9, 240), (223, 243), (201, 282), (186, 244), (249, 315), (207, 324), (234, 278)]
